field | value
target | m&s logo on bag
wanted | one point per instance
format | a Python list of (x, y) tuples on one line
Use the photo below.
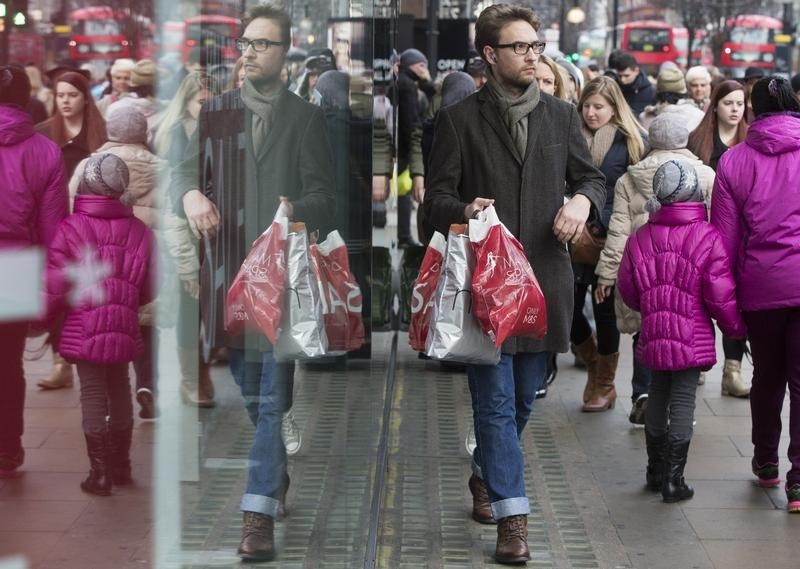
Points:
[(238, 312), (260, 267), (531, 315), (514, 273)]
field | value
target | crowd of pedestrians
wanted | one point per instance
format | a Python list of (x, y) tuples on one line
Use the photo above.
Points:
[(669, 201)]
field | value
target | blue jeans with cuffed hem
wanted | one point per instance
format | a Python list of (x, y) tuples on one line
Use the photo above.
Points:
[(502, 401), (265, 385)]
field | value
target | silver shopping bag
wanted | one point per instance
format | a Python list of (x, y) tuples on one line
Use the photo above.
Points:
[(455, 334), (302, 331)]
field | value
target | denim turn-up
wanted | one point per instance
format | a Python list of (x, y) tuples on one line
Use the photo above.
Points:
[(502, 401), (266, 386)]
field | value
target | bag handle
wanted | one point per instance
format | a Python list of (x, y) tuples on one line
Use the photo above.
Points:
[(469, 306)]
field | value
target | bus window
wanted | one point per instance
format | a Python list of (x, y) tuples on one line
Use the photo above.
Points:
[(648, 39), (750, 35)]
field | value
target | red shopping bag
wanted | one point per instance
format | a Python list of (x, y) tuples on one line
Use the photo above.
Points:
[(423, 291), (340, 293), (255, 298), (507, 297)]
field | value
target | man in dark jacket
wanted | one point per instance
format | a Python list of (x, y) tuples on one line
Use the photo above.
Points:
[(635, 85), (511, 146), (413, 78), (256, 147)]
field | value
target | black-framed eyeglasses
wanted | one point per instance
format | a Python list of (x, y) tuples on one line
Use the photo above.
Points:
[(521, 47), (258, 44)]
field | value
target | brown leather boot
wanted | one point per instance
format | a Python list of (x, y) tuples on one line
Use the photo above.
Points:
[(60, 377), (587, 350), (257, 538), (481, 507), (512, 540), (605, 395)]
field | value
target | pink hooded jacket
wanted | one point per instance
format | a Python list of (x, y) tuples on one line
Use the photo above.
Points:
[(675, 271), (34, 185), (99, 271), (756, 208)]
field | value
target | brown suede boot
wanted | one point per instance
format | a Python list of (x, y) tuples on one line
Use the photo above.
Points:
[(257, 538), (587, 350), (60, 377), (481, 508), (196, 386), (605, 395), (512, 540)]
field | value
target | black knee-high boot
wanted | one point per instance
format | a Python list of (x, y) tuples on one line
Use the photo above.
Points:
[(119, 459), (656, 464), (675, 488), (99, 480)]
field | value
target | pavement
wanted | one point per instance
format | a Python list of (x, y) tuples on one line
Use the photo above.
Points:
[(585, 475), (381, 479)]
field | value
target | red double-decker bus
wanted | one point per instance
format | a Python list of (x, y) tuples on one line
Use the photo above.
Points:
[(651, 42), (101, 34), (97, 33), (211, 30), (749, 43)]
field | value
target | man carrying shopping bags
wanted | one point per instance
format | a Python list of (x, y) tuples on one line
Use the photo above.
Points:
[(256, 146), (510, 145)]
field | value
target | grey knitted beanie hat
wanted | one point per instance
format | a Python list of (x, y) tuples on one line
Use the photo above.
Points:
[(104, 175), (674, 181)]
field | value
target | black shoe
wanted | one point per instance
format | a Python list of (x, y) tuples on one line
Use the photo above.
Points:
[(408, 243), (541, 393), (638, 410)]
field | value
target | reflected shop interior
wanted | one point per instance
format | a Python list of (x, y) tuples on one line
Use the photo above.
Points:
[(190, 462), (338, 402)]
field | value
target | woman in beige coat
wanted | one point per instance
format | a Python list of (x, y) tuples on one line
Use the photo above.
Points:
[(668, 137), (127, 139)]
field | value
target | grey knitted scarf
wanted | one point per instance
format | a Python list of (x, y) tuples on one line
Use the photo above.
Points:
[(262, 104), (514, 110)]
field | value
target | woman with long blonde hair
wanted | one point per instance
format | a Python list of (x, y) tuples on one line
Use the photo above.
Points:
[(173, 132), (615, 142), (179, 120)]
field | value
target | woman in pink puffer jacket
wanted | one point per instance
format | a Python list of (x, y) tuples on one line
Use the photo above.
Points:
[(675, 271), (33, 190), (756, 207), (98, 275)]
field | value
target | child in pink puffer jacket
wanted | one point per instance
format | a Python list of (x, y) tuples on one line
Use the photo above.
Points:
[(98, 275), (675, 271)]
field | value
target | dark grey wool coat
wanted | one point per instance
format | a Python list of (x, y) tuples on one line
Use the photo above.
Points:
[(295, 161), (472, 157)]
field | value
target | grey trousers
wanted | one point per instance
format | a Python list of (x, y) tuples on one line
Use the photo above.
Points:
[(670, 406), (105, 392)]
